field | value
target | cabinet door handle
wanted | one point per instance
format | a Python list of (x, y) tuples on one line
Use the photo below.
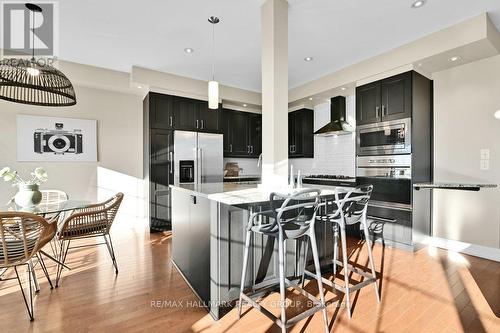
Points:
[(290, 148), (251, 149), (202, 124), (171, 155), (383, 109), (377, 109), (230, 148), (196, 123), (171, 121)]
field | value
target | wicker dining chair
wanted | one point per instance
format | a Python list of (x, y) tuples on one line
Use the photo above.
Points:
[(22, 236), (53, 196), (91, 221)]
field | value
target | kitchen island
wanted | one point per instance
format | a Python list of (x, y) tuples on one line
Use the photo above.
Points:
[(208, 232)]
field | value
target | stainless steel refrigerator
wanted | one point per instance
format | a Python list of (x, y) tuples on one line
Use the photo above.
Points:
[(198, 158)]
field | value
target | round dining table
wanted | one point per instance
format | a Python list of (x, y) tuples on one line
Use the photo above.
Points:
[(52, 212)]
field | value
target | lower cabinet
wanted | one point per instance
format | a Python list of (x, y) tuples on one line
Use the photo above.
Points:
[(191, 240)]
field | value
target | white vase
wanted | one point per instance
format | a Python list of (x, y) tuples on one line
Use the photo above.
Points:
[(28, 196)]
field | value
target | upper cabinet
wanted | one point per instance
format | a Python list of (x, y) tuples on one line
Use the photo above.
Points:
[(242, 133), (300, 133), (161, 111), (384, 100), (174, 112)]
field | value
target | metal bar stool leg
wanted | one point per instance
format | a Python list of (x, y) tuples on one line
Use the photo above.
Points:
[(314, 249), (335, 248), (244, 272), (346, 269), (281, 255), (370, 256), (306, 245)]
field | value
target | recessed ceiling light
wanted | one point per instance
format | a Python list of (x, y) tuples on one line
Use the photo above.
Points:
[(140, 87), (497, 114), (188, 50), (418, 4), (455, 58), (308, 59), (343, 88), (310, 98), (244, 105)]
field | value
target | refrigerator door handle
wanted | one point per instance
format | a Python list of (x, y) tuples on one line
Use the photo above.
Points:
[(171, 162), (199, 156)]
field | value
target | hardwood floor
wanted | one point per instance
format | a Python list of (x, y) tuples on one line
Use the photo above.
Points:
[(429, 291)]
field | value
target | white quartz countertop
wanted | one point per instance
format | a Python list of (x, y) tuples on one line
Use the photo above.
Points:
[(241, 194)]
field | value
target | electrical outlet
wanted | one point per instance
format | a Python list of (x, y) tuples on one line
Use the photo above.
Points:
[(485, 164), (485, 154)]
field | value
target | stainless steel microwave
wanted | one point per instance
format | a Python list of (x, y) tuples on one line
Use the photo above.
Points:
[(384, 138)]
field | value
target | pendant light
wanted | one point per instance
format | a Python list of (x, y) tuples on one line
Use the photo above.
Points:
[(31, 82), (213, 86)]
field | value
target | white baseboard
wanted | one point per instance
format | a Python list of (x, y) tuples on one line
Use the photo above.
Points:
[(457, 246)]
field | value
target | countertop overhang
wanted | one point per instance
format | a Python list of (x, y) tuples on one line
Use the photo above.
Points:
[(453, 186), (242, 194)]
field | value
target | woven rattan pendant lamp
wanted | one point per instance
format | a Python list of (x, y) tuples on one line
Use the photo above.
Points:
[(29, 82)]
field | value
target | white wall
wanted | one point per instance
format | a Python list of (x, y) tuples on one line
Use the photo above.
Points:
[(332, 155), (466, 98), (119, 166)]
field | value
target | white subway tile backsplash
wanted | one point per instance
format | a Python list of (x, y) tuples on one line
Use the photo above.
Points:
[(332, 155)]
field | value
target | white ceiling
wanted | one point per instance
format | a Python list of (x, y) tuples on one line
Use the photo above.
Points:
[(118, 34)]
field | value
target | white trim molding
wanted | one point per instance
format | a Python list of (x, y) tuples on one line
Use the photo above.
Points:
[(467, 248)]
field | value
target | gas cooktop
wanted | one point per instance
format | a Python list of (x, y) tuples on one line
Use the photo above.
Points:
[(331, 177), (331, 180)]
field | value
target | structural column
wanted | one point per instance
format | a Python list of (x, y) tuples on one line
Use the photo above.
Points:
[(274, 39)]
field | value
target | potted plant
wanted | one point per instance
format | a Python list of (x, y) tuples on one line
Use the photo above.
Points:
[(28, 194)]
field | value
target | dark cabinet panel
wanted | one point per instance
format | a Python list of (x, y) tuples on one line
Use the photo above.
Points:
[(300, 133), (209, 119), (255, 134), (368, 104), (160, 177), (238, 134), (161, 112), (384, 100), (396, 97), (242, 133), (186, 111)]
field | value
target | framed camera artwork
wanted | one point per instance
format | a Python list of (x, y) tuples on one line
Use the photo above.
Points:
[(56, 139)]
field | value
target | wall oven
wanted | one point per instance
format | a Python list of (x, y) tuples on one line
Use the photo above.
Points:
[(384, 138), (390, 177)]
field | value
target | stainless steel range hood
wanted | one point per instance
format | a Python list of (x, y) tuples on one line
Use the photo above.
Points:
[(337, 125)]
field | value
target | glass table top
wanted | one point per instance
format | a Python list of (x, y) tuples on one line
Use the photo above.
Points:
[(43, 208)]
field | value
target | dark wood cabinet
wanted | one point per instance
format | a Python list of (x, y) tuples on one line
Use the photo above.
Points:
[(209, 120), (368, 104), (161, 111), (384, 100), (396, 97), (186, 111), (194, 115), (242, 133), (255, 134), (161, 175), (300, 133)]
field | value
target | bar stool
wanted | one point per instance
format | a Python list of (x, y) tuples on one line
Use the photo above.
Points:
[(294, 219), (349, 209)]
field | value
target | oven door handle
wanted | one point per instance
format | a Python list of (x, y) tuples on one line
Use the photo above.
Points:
[(371, 217)]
